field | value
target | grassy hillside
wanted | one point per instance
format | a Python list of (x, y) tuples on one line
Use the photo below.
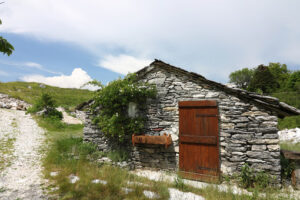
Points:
[(293, 99), (29, 92)]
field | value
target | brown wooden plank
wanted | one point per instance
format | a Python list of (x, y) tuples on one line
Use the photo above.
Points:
[(204, 103), (198, 139), (292, 155)]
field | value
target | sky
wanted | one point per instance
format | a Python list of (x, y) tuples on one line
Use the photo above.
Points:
[(68, 43)]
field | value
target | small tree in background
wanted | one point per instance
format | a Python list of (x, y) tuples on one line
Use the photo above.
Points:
[(293, 82), (241, 77), (46, 104), (263, 80), (281, 74)]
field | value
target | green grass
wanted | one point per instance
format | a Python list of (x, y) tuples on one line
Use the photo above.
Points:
[(293, 99), (289, 122), (53, 124), (290, 147), (6, 151), (67, 154), (64, 97)]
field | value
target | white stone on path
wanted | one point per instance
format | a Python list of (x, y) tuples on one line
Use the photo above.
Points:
[(96, 181), (150, 194), (136, 183), (177, 194), (127, 190), (53, 174), (73, 179)]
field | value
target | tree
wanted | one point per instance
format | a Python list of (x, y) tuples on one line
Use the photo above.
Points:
[(5, 46), (263, 80), (281, 74), (241, 77), (293, 82)]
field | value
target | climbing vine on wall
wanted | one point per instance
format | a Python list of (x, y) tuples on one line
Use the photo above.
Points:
[(111, 106)]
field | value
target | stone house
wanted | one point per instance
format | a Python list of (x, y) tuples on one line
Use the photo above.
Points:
[(214, 129)]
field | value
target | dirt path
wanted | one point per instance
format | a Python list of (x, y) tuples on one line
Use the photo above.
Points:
[(20, 170)]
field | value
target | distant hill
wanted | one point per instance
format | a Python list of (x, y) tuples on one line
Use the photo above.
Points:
[(29, 92)]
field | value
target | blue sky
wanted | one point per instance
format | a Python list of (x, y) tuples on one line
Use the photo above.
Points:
[(66, 43)]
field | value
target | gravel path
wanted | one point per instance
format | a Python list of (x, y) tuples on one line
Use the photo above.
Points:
[(22, 178)]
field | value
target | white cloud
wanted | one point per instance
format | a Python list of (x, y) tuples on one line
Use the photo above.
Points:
[(75, 80), (123, 63), (26, 65), (33, 65), (221, 35), (3, 73)]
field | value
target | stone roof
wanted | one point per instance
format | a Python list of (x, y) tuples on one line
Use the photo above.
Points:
[(270, 103)]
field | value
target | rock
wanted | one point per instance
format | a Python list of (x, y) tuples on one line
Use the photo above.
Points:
[(198, 96), (127, 190), (73, 179), (275, 147), (150, 194), (258, 147), (290, 135), (96, 181), (105, 160), (212, 95), (42, 86), (177, 194), (53, 174)]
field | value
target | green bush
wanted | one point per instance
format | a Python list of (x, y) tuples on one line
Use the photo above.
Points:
[(113, 101), (47, 104), (249, 178), (118, 155)]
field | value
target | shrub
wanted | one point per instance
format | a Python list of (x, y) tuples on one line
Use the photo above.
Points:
[(113, 101), (118, 155), (46, 104), (249, 178)]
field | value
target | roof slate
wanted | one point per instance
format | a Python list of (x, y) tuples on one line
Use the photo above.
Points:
[(269, 103)]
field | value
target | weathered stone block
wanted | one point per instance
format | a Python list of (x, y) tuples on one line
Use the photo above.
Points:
[(258, 147), (274, 147)]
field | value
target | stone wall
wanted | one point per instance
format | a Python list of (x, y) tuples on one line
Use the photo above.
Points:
[(248, 134), (12, 103)]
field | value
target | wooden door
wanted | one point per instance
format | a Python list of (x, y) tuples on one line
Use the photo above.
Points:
[(199, 140)]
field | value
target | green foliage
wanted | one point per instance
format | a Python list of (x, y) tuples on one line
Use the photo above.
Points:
[(263, 79), (31, 92), (281, 74), (290, 147), (289, 122), (241, 77), (293, 82), (47, 104), (179, 183), (113, 101), (93, 82), (250, 178), (287, 167), (53, 123), (118, 155), (5, 46)]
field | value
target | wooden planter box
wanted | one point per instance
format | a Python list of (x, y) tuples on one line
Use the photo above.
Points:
[(152, 139)]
